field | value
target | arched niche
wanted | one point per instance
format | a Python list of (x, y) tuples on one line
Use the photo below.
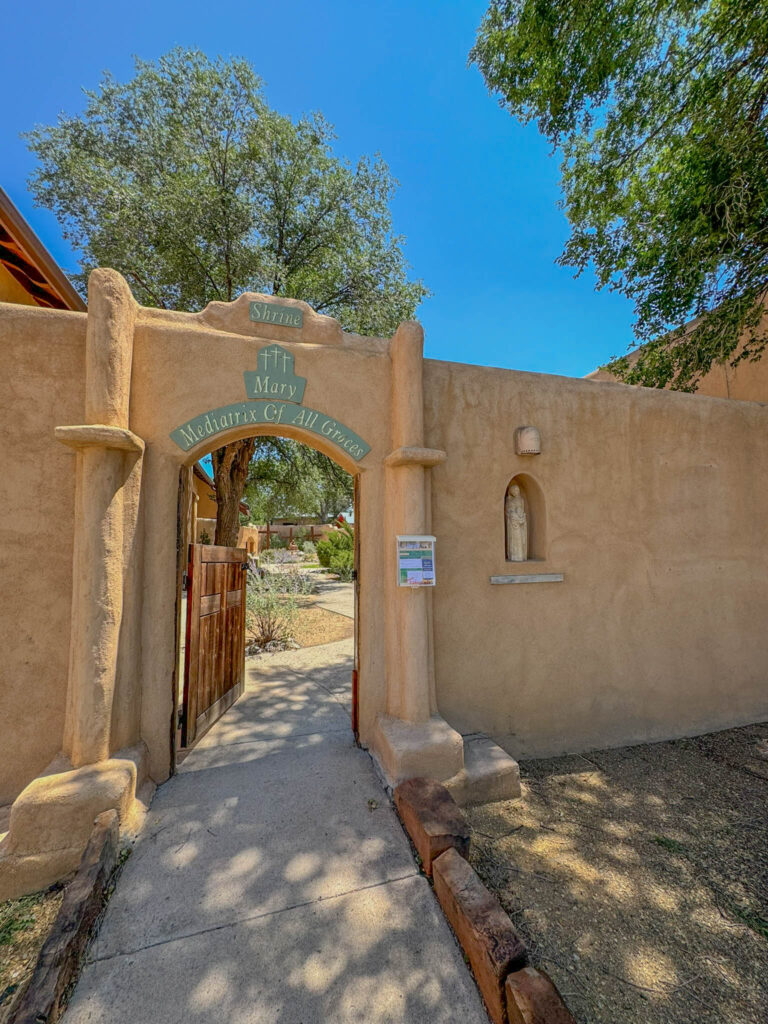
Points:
[(535, 511)]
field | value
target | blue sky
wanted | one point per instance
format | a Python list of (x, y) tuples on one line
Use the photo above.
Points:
[(478, 196)]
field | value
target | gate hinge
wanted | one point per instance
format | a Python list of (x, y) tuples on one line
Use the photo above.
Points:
[(185, 581), (181, 717), (354, 574)]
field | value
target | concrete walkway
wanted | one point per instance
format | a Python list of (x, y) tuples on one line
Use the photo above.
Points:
[(336, 597), (272, 881)]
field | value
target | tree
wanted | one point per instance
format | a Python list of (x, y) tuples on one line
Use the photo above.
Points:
[(660, 112), (185, 181), (286, 478)]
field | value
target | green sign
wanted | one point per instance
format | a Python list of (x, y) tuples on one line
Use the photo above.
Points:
[(275, 377), (271, 313), (243, 414)]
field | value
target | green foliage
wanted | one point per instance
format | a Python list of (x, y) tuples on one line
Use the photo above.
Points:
[(287, 478), (338, 541), (661, 114), (270, 609), (205, 537), (185, 181), (673, 845), (17, 916), (343, 564)]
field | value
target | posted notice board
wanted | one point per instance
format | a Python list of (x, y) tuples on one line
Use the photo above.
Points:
[(416, 561)]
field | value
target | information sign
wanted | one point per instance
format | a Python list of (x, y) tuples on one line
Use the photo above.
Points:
[(415, 561)]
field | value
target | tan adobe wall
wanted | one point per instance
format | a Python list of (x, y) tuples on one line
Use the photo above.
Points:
[(206, 499), (654, 508), (655, 514), (745, 382), (41, 386)]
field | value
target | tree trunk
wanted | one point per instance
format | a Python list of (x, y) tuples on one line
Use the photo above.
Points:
[(230, 470)]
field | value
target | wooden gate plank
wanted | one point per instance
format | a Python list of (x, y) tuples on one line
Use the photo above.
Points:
[(214, 674)]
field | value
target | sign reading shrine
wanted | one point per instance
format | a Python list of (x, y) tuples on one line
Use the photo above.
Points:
[(274, 392), (270, 313)]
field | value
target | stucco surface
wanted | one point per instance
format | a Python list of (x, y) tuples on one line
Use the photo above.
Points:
[(182, 368), (652, 507), (655, 506), (42, 385)]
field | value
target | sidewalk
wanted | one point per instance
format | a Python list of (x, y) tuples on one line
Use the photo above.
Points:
[(272, 881)]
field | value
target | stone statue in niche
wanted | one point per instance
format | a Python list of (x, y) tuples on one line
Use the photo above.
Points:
[(517, 524)]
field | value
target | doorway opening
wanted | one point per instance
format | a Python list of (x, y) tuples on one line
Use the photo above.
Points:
[(250, 611)]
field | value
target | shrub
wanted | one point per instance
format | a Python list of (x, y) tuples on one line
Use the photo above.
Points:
[(293, 581), (341, 539), (309, 550), (343, 563), (271, 611), (205, 537)]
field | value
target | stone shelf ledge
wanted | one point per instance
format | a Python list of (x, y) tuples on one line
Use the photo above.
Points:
[(99, 435), (529, 577), (415, 457)]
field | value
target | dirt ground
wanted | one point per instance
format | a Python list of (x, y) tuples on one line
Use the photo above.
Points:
[(24, 927), (315, 625), (639, 877)]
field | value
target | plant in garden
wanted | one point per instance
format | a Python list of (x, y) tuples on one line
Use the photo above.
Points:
[(270, 609), (337, 551), (340, 539)]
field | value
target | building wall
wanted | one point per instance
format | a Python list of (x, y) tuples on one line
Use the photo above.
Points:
[(12, 290), (654, 507), (42, 386), (206, 499), (655, 514), (745, 382)]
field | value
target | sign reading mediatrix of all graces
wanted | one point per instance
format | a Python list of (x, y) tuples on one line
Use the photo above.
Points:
[(416, 561), (271, 313), (274, 393)]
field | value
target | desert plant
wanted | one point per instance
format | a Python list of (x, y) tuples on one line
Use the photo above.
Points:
[(205, 537), (271, 611), (309, 551)]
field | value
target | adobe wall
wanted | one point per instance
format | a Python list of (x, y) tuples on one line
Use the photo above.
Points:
[(745, 382), (42, 384), (655, 514), (187, 364)]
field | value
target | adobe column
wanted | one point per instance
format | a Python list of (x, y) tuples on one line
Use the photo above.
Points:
[(411, 738), (107, 454)]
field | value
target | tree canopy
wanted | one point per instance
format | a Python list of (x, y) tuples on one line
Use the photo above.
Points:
[(189, 184), (286, 478), (660, 111), (185, 181)]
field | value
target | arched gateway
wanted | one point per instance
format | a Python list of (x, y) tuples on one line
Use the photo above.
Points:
[(624, 496)]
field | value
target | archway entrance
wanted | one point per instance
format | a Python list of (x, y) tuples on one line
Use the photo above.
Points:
[(164, 388), (269, 593)]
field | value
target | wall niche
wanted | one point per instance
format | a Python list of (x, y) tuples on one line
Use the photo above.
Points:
[(524, 520)]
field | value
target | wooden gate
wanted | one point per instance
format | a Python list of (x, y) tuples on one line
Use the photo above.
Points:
[(214, 669)]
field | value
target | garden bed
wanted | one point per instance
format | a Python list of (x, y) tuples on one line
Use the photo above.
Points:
[(24, 926), (639, 877)]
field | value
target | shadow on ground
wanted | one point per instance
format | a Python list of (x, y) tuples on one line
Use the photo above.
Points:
[(272, 881), (640, 877)]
